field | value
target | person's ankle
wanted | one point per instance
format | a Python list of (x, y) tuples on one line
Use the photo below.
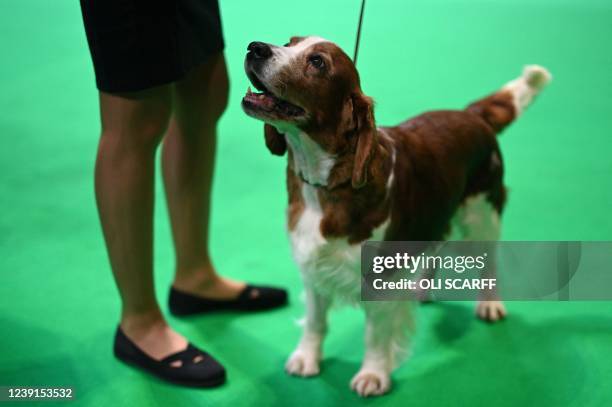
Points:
[(200, 277), (150, 332), (140, 323)]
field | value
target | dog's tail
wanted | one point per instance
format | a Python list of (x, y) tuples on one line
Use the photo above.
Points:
[(501, 108)]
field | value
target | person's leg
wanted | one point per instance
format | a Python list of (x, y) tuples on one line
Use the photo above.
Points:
[(188, 163), (132, 127)]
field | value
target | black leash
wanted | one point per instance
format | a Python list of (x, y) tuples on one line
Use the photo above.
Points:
[(358, 32)]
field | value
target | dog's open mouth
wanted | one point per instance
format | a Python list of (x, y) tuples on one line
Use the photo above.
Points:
[(269, 104)]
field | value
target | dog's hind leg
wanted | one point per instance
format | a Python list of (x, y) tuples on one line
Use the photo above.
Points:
[(388, 326), (305, 359), (479, 220)]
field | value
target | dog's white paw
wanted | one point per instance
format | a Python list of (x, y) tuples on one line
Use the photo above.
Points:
[(491, 311), (303, 363), (370, 382)]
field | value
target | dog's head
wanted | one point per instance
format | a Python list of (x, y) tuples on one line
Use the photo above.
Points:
[(311, 85)]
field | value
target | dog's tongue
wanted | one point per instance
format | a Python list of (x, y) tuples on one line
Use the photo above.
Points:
[(264, 100)]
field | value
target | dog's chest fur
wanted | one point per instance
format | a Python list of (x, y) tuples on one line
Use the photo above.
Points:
[(328, 257), (329, 265)]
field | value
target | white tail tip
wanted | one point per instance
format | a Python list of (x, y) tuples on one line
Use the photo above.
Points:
[(526, 87), (536, 76)]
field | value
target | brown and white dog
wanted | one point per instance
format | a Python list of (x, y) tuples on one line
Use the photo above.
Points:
[(350, 181)]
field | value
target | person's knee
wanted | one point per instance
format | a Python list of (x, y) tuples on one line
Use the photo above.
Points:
[(219, 97), (149, 130), (203, 95), (142, 134), (136, 123)]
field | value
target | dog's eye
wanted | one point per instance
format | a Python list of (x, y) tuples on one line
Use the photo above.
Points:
[(316, 61)]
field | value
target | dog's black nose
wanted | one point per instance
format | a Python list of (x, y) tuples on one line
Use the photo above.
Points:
[(259, 50)]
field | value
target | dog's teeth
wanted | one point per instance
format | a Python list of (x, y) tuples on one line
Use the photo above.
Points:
[(249, 90)]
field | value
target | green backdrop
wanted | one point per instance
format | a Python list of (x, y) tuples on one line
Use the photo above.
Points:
[(58, 303)]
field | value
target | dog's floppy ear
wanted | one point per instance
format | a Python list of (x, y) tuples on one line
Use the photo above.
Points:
[(275, 141), (365, 131)]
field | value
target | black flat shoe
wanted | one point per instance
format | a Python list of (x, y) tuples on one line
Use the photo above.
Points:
[(196, 368), (252, 298)]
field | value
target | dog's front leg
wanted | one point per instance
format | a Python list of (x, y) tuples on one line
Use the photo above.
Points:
[(388, 325), (305, 359)]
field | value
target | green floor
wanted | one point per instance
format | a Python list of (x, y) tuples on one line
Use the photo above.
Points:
[(58, 304)]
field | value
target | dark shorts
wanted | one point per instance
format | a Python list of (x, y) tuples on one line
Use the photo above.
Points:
[(138, 44)]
